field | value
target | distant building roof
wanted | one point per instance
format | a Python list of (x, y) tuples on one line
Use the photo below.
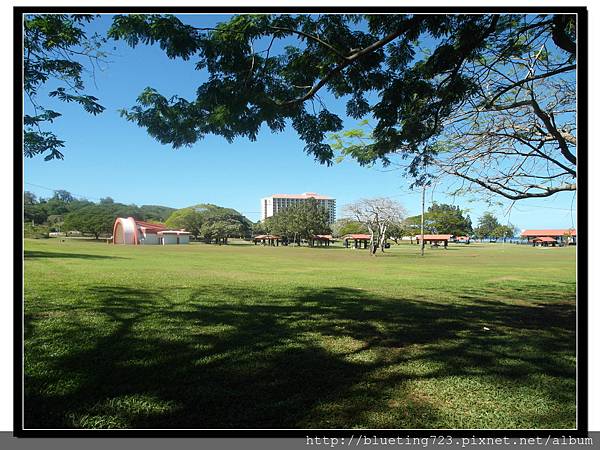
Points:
[(549, 233), (434, 237), (356, 236), (152, 227), (303, 196), (544, 239), (266, 236), (323, 237)]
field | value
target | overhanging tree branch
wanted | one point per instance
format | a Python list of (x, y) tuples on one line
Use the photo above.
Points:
[(504, 90), (310, 37), (559, 33), (501, 190), (564, 149), (350, 59)]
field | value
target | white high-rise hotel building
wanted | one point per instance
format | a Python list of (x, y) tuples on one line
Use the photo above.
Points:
[(275, 203)]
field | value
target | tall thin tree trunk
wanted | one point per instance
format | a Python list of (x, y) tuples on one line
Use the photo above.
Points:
[(382, 232)]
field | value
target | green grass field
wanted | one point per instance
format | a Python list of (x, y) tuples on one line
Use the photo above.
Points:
[(244, 336)]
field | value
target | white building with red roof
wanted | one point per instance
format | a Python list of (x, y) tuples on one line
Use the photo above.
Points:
[(269, 206), (131, 231)]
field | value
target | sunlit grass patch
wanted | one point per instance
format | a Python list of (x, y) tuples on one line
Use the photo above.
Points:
[(119, 411)]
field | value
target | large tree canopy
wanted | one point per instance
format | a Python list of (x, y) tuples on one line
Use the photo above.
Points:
[(345, 226), (517, 136), (51, 210), (212, 222), (56, 48), (447, 219), (97, 219), (300, 221), (412, 74), (486, 225), (64, 207)]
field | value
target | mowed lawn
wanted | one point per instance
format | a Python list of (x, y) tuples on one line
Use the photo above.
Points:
[(244, 336)]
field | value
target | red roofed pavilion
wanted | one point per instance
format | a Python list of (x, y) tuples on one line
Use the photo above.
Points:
[(435, 239), (562, 236), (360, 240), (544, 241)]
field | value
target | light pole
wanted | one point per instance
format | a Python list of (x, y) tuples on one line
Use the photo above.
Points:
[(423, 222)]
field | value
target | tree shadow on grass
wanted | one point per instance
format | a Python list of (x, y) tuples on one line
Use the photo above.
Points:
[(35, 254), (305, 358)]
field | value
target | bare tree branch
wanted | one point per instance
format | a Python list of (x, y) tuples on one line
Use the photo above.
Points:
[(527, 80), (546, 191), (552, 129)]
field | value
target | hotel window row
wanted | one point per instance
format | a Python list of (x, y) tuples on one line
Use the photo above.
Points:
[(275, 203)]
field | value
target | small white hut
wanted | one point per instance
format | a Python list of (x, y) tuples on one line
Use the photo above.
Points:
[(168, 237)]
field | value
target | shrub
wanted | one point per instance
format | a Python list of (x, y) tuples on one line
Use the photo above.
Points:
[(36, 231)]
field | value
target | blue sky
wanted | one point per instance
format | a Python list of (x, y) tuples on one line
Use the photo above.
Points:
[(108, 156)]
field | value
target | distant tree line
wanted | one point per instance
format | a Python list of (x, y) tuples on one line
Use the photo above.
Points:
[(346, 225), (64, 213), (490, 228), (440, 218), (450, 219), (215, 224), (211, 223)]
